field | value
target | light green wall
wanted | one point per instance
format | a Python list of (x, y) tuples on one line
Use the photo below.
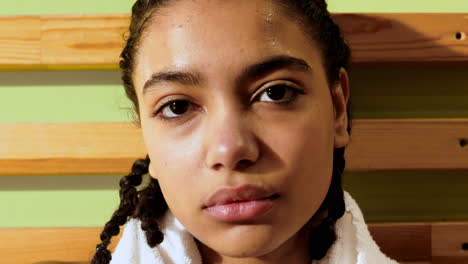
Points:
[(123, 6), (35, 7), (88, 96), (68, 96)]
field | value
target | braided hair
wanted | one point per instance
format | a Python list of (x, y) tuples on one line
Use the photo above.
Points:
[(134, 204), (149, 205)]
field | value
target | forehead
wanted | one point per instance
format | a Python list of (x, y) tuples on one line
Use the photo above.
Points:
[(219, 35), (260, 15)]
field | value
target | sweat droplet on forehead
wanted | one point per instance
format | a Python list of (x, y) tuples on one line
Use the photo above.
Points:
[(271, 21)]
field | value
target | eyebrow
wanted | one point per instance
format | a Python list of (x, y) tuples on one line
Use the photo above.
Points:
[(253, 71), (272, 64), (182, 77)]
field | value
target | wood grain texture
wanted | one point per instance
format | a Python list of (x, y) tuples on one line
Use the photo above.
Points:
[(449, 260), (409, 243), (61, 41), (50, 245), (69, 148), (82, 40), (20, 40), (406, 37), (434, 243), (448, 240), (64, 42), (408, 144), (111, 148), (404, 241)]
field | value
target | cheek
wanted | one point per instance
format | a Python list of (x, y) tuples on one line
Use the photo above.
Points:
[(305, 141), (174, 162), (305, 145), (169, 150)]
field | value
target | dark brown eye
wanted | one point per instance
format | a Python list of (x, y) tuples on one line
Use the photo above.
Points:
[(278, 93), (175, 108)]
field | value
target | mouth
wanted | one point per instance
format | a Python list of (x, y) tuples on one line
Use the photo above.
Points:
[(242, 203)]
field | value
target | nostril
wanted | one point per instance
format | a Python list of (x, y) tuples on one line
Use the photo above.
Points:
[(243, 164)]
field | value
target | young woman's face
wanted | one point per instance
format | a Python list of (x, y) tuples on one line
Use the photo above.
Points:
[(233, 94)]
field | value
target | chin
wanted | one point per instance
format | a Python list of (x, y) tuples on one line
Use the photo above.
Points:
[(244, 250), (246, 242)]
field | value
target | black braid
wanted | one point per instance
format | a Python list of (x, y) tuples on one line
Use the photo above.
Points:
[(152, 207), (128, 201)]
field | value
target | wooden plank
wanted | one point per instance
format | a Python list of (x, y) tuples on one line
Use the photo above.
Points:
[(69, 148), (407, 242), (95, 41), (50, 245), (64, 42), (76, 245), (406, 37), (408, 144), (20, 40), (77, 40), (449, 260), (111, 148), (448, 240)]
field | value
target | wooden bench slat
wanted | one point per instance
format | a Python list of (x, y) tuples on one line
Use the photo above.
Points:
[(449, 260), (50, 245), (20, 44), (111, 148), (447, 239), (410, 243), (95, 41), (406, 37), (69, 148), (408, 144), (404, 241)]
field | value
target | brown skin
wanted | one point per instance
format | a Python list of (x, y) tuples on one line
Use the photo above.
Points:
[(232, 133)]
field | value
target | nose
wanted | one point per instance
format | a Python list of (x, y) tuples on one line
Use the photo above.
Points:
[(230, 142)]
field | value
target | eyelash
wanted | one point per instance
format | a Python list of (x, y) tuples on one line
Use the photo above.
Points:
[(295, 93)]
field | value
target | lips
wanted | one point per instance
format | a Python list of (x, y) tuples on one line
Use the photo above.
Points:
[(242, 193), (246, 202)]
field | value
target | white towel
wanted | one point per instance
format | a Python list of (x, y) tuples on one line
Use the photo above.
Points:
[(353, 246)]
